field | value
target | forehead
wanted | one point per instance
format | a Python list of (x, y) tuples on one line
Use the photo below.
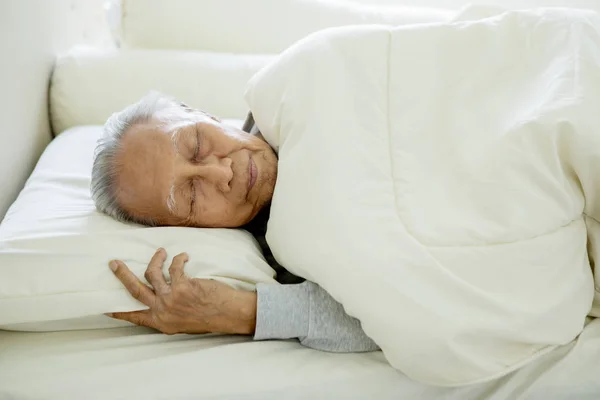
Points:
[(144, 166)]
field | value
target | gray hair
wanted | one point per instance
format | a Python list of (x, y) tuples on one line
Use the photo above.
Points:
[(104, 171)]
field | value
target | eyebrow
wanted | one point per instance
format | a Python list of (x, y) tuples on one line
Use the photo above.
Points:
[(175, 139), (171, 204)]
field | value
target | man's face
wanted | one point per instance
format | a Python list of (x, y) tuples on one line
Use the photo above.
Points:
[(194, 171)]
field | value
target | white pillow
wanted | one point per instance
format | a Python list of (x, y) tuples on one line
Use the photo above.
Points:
[(88, 85), (55, 248), (258, 26)]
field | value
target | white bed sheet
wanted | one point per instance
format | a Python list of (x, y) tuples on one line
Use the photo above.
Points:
[(136, 363)]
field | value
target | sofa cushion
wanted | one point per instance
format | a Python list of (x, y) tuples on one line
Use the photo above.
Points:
[(88, 85)]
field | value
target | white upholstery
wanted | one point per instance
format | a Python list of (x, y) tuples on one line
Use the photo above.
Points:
[(89, 85), (136, 363), (257, 26), (109, 363), (213, 76)]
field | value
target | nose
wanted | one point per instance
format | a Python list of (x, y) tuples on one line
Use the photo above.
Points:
[(213, 170)]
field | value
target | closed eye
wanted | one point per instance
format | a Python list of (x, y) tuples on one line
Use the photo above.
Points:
[(196, 157), (192, 197)]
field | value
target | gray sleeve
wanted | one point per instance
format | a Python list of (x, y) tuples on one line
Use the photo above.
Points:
[(307, 312)]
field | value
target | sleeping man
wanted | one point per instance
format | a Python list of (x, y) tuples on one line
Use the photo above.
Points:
[(161, 163), (446, 195)]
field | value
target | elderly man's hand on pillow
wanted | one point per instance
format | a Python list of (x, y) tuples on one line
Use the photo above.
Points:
[(161, 163), (187, 305)]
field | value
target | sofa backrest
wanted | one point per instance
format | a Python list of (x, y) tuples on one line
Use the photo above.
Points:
[(257, 26), (201, 51)]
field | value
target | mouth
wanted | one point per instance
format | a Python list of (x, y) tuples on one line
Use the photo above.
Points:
[(252, 174)]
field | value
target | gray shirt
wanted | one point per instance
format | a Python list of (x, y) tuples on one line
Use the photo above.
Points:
[(299, 309)]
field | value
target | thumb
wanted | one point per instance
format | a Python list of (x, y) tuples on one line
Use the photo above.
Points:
[(140, 318)]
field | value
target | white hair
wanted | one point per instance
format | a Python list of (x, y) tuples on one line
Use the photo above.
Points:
[(104, 171)]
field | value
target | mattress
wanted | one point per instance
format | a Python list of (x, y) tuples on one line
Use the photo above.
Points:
[(137, 363)]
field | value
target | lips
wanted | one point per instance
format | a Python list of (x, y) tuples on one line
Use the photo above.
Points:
[(252, 174)]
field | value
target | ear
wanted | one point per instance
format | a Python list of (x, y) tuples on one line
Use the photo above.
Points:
[(190, 109)]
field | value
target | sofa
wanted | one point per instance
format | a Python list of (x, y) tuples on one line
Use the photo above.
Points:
[(55, 342)]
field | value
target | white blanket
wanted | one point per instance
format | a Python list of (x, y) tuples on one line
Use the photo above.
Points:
[(441, 181)]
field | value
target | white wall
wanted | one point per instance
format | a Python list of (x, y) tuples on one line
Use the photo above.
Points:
[(32, 32)]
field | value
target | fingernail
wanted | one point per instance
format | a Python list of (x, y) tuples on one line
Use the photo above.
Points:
[(161, 250), (109, 314), (113, 266)]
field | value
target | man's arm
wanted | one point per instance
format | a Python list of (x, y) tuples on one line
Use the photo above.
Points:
[(307, 312), (191, 305)]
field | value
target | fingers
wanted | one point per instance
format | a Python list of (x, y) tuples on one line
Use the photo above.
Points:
[(137, 288), (141, 318), (154, 274), (176, 268)]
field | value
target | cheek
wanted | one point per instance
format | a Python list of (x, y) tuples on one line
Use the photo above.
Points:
[(269, 167), (224, 215), (221, 207)]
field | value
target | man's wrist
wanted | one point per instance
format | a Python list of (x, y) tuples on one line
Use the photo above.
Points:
[(244, 312)]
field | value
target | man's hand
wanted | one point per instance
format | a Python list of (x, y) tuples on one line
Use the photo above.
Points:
[(186, 305)]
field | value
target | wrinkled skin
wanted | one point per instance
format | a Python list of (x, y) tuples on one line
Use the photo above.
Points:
[(185, 167), (186, 305)]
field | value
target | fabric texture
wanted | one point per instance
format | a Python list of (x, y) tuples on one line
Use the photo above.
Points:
[(209, 81), (306, 312), (258, 26), (125, 363), (303, 311), (55, 248), (282, 312), (452, 187)]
